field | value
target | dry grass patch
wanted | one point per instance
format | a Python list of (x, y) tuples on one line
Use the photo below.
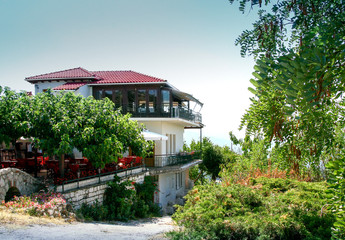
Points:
[(19, 218)]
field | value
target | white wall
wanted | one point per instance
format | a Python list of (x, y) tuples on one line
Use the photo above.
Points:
[(39, 87), (165, 128), (85, 91), (167, 188)]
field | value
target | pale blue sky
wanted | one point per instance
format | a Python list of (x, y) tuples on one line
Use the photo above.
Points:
[(189, 43)]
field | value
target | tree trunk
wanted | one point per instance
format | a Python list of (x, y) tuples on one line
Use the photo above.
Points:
[(62, 165), (36, 165)]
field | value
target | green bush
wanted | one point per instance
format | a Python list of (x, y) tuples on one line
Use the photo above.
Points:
[(94, 212), (123, 201), (265, 209)]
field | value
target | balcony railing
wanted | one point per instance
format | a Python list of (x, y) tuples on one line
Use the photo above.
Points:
[(171, 159), (174, 112)]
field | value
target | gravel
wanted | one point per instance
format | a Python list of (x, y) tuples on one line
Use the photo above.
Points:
[(153, 229)]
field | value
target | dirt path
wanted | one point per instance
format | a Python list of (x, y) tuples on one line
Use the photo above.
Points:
[(136, 230)]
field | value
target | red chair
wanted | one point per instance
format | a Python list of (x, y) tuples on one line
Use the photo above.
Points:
[(74, 167)]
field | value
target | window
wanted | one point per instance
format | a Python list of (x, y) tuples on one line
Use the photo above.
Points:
[(152, 101), (178, 178), (131, 101), (165, 101), (108, 94), (142, 101), (98, 94), (171, 144), (118, 98)]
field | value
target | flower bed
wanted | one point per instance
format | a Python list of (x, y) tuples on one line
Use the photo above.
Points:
[(40, 204)]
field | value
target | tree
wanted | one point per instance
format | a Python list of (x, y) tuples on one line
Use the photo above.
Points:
[(103, 133), (13, 119), (60, 122), (299, 76)]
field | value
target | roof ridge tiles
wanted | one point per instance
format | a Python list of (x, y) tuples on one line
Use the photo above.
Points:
[(60, 74)]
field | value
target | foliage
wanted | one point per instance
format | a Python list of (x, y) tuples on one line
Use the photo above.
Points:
[(213, 157), (13, 120), (144, 198), (299, 75), (118, 199), (123, 200), (40, 204), (336, 180), (61, 121), (267, 208), (298, 79)]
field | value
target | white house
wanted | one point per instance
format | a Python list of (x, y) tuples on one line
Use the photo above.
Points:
[(164, 110)]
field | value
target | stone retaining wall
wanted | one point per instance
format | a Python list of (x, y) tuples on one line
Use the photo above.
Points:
[(89, 194), (13, 177)]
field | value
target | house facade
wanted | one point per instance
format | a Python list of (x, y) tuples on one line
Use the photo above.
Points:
[(163, 109)]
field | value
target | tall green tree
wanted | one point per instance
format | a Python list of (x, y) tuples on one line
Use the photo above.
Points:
[(299, 75), (59, 122), (299, 80), (13, 119)]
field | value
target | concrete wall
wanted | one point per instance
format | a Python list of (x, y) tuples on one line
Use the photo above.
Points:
[(165, 128), (39, 87), (13, 177), (85, 91), (168, 190)]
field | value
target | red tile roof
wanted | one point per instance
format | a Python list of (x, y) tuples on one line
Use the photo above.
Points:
[(69, 86), (100, 77), (74, 73), (124, 77)]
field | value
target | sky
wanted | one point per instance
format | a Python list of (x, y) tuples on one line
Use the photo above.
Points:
[(189, 43)]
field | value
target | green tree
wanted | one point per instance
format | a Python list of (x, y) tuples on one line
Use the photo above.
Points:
[(103, 133), (60, 122), (13, 120), (298, 80), (299, 47)]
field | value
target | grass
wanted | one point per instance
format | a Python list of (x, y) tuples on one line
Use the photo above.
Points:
[(17, 219)]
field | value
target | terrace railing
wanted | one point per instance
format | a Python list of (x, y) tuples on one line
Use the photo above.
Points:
[(99, 178), (174, 112), (173, 159)]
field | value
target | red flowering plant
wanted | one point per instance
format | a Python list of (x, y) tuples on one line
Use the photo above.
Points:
[(39, 204)]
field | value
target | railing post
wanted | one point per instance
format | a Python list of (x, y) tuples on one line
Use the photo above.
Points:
[(78, 174)]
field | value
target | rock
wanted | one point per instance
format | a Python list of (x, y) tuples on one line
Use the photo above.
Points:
[(180, 201), (170, 210), (50, 212)]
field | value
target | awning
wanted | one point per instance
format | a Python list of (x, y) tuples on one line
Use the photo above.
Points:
[(154, 136), (186, 96)]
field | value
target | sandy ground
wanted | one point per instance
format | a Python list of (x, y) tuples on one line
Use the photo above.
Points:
[(142, 229)]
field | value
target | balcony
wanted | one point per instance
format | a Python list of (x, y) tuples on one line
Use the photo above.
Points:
[(174, 112), (159, 161)]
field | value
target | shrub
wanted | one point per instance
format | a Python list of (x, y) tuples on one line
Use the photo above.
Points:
[(123, 201), (96, 212), (264, 209), (40, 204)]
